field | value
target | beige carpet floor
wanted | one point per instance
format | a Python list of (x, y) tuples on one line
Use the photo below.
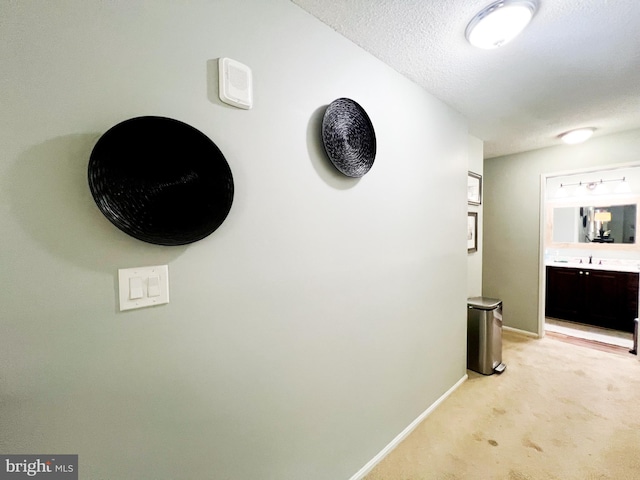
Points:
[(560, 411)]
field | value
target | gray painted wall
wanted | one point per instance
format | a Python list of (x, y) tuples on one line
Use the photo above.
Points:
[(323, 316), (512, 224), (474, 259)]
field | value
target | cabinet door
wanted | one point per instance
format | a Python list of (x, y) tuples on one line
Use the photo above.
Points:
[(604, 298), (563, 293)]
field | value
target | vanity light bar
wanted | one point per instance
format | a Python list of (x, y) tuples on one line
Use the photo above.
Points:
[(592, 185)]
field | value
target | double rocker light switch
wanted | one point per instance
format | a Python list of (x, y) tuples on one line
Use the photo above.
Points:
[(143, 286)]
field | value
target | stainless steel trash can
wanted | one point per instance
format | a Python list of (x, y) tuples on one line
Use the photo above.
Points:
[(484, 335)]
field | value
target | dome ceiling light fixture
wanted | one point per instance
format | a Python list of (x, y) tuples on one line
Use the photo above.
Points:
[(578, 135), (499, 23)]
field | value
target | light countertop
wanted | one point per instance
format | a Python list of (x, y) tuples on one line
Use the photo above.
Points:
[(607, 264)]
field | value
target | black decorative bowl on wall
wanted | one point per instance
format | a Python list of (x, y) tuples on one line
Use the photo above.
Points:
[(348, 137), (160, 180)]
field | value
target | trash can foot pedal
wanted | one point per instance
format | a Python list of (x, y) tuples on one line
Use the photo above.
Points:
[(500, 368)]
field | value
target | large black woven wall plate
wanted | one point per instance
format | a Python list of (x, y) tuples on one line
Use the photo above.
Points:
[(348, 137), (160, 180)]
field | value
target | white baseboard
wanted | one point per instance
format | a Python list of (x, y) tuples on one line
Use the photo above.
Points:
[(405, 433), (521, 332)]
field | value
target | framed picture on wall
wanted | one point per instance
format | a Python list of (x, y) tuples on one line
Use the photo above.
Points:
[(472, 232), (474, 189)]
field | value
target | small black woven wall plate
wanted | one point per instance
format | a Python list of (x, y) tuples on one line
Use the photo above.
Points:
[(348, 137), (160, 180)]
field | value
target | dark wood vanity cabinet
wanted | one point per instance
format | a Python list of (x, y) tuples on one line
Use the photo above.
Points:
[(596, 297)]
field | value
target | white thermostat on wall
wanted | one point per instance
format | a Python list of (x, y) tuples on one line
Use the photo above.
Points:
[(236, 85)]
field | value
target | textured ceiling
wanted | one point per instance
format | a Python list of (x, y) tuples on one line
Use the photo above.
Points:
[(577, 64)]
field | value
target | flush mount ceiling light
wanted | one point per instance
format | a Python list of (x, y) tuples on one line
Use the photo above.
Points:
[(577, 136), (499, 23)]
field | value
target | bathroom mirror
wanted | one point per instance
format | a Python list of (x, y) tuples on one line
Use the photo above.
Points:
[(612, 224)]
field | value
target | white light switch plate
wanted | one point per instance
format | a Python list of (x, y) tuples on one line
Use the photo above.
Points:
[(129, 290)]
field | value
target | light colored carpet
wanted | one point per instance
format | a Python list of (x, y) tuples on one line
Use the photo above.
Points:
[(560, 411)]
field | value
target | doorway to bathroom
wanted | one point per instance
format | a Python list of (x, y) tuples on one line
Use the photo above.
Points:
[(590, 256)]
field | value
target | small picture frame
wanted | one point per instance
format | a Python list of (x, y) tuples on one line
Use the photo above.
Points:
[(472, 232), (474, 188)]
